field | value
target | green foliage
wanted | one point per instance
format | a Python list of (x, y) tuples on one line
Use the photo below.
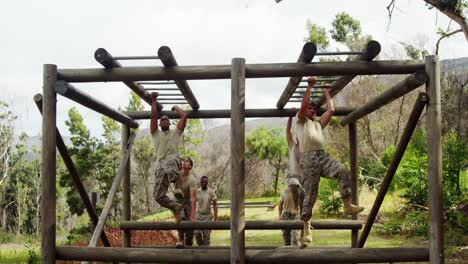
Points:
[(416, 223), (134, 104), (78, 233), (192, 137), (345, 28), (22, 191), (143, 154), (459, 6), (316, 34), (330, 201), (95, 160), (393, 226), (271, 145)]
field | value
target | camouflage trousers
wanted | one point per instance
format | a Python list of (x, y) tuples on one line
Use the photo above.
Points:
[(203, 236), (186, 236), (167, 171), (316, 164), (290, 237)]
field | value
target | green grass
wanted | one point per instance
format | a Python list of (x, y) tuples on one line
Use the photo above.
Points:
[(15, 253), (320, 237)]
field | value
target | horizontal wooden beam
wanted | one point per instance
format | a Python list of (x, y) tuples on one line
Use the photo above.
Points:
[(168, 59), (249, 225), (249, 113), (307, 55), (407, 85), (67, 90), (105, 59), (281, 256), (252, 71)]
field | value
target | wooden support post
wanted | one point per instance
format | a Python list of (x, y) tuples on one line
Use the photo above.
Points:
[(371, 51), (105, 59), (112, 192), (434, 160), (168, 59), (272, 256), (399, 152), (306, 56), (407, 85), (266, 70), (249, 225), (74, 174), (237, 161), (67, 90), (126, 202), (249, 113), (48, 205), (353, 167)]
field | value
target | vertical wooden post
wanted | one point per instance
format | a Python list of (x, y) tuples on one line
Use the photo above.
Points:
[(48, 204), (434, 160), (353, 167), (126, 202), (237, 161)]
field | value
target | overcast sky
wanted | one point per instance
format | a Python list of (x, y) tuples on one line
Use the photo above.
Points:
[(67, 33)]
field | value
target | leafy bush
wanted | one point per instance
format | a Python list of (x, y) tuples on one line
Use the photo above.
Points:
[(393, 226), (416, 223), (329, 197), (78, 233)]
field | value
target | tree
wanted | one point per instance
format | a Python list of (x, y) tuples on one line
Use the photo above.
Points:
[(108, 153), (143, 154), (6, 139), (269, 144), (83, 153)]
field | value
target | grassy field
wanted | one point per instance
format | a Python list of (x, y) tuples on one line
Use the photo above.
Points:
[(320, 237), (19, 253)]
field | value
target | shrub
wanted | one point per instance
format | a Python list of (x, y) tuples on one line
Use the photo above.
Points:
[(329, 197)]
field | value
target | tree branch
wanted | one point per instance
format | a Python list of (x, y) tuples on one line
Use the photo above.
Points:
[(455, 15), (445, 36)]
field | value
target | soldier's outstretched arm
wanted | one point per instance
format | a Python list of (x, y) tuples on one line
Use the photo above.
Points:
[(182, 117), (326, 117), (306, 98)]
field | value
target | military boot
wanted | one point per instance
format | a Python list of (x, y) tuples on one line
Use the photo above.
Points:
[(350, 208)]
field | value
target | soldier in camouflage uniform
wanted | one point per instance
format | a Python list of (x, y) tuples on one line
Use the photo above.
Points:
[(205, 197), (288, 209), (168, 164), (314, 161), (295, 172), (186, 194)]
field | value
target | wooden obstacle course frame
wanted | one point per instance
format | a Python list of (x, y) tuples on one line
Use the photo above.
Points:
[(238, 71)]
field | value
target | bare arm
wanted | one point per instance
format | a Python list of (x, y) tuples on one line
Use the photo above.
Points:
[(215, 209), (182, 117), (306, 98), (280, 209), (325, 119), (193, 199), (288, 130), (154, 113)]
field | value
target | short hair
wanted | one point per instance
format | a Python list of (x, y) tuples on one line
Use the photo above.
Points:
[(313, 104), (206, 177), (190, 160)]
